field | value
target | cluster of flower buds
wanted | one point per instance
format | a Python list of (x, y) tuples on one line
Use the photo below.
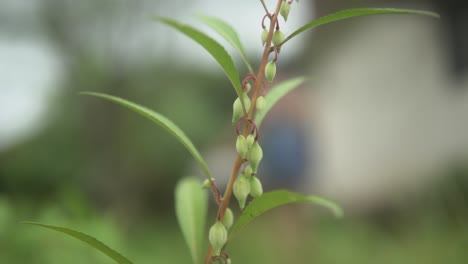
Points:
[(247, 147), (218, 232), (247, 183), (277, 40)]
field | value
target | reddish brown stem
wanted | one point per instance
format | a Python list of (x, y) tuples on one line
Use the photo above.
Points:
[(257, 88)]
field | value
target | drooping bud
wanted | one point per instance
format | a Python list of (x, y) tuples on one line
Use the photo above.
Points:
[(270, 71), (256, 188), (241, 146), (248, 87), (218, 237), (260, 104), (278, 37), (228, 218), (248, 171), (237, 109), (241, 190), (264, 36), (284, 11), (250, 140), (255, 155)]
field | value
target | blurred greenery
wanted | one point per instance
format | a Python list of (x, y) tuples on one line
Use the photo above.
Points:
[(291, 235)]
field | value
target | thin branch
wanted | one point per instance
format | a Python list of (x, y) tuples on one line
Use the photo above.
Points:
[(264, 6)]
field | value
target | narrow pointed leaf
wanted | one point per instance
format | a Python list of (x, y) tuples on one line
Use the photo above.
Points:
[(161, 120), (275, 95), (275, 199), (350, 13), (191, 204), (93, 242), (228, 33), (213, 47)]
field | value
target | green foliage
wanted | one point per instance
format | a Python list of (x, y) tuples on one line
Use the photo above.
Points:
[(191, 204), (163, 122), (117, 257), (358, 12), (276, 94), (228, 33), (214, 48), (275, 199)]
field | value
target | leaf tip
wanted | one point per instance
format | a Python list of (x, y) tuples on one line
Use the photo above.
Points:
[(338, 211)]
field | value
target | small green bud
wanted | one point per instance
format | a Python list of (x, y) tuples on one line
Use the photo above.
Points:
[(228, 218), (284, 11), (241, 190), (256, 188), (241, 146), (228, 261), (218, 237), (248, 87), (248, 171), (237, 110), (278, 37), (270, 71), (264, 36), (250, 140), (206, 184), (260, 104), (255, 155)]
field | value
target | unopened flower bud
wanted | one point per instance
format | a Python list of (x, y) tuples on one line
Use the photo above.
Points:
[(237, 109), (255, 156), (207, 184), (247, 87), (260, 104), (264, 36), (250, 140), (218, 237), (241, 190), (241, 146), (228, 218), (270, 71), (228, 261), (248, 171), (256, 188), (278, 37), (284, 11)]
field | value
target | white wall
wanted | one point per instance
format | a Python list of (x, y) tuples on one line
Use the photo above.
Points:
[(390, 116)]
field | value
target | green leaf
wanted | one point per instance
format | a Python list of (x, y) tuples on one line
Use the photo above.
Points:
[(350, 13), (117, 257), (275, 199), (213, 47), (163, 122), (228, 33), (191, 204), (275, 95)]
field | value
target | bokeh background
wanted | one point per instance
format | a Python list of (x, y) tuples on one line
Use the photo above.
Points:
[(381, 128)]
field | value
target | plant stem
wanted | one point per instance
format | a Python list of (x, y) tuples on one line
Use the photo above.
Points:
[(257, 87), (264, 6)]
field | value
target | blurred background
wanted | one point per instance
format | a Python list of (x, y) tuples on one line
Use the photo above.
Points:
[(381, 128)]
